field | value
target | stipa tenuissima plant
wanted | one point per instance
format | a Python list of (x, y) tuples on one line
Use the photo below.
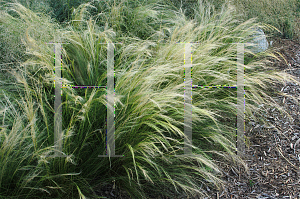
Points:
[(149, 100)]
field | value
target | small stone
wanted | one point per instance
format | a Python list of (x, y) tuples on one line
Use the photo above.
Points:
[(260, 42)]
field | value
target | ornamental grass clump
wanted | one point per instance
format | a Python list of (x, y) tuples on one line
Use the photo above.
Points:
[(149, 104)]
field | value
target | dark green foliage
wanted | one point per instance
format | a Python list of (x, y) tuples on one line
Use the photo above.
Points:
[(185, 5), (62, 9)]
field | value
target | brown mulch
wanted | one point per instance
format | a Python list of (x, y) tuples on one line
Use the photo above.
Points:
[(273, 157)]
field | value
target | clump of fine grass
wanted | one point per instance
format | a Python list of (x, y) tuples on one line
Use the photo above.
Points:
[(149, 99)]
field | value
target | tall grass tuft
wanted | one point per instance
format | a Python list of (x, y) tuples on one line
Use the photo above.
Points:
[(149, 102)]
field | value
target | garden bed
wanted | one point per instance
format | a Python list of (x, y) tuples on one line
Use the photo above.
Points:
[(272, 157)]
